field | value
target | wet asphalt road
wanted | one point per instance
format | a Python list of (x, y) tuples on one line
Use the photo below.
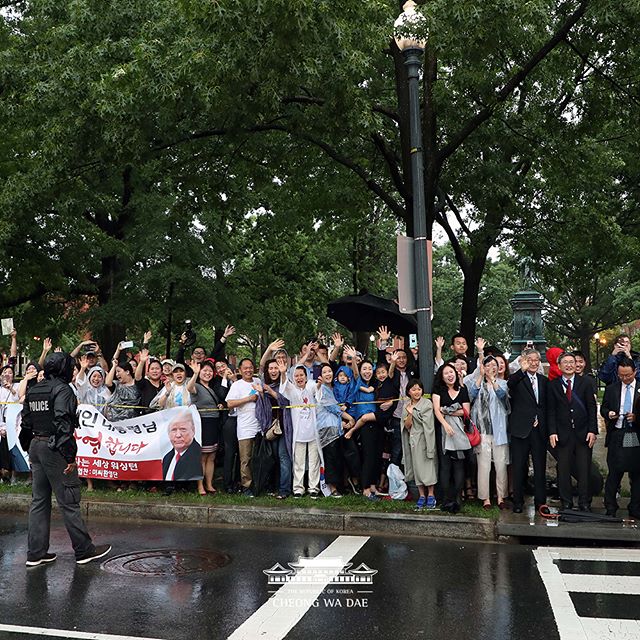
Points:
[(424, 588)]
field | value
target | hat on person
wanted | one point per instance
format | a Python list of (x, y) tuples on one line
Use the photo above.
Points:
[(178, 365), (168, 361), (91, 354)]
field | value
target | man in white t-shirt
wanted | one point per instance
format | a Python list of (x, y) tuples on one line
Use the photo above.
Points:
[(243, 396)]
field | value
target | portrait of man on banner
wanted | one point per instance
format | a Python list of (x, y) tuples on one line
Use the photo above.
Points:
[(183, 461)]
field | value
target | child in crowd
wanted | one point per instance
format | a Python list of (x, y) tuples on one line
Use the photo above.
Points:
[(384, 391)]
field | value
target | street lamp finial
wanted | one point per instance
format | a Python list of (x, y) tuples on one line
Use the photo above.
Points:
[(409, 28)]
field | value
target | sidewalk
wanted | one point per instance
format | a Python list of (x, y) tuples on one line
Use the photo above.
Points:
[(531, 528), (354, 515)]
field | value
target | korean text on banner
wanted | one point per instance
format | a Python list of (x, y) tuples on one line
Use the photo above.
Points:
[(157, 446)]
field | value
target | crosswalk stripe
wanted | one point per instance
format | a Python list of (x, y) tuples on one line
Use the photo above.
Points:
[(606, 555), (65, 633), (611, 629), (559, 585), (587, 583)]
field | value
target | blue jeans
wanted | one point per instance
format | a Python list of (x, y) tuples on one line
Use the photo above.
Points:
[(284, 461)]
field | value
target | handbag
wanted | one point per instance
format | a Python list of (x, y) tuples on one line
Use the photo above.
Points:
[(274, 431), (471, 430)]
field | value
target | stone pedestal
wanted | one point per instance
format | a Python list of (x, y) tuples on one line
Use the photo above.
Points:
[(527, 325)]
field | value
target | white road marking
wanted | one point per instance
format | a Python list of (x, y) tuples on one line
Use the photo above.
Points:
[(64, 633), (276, 617), (569, 627), (586, 583), (558, 585), (607, 555), (611, 629)]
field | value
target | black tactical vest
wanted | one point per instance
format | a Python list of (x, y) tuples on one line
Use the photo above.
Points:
[(39, 399)]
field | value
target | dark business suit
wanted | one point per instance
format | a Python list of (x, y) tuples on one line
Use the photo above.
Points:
[(571, 422), (620, 460), (525, 438), (189, 467)]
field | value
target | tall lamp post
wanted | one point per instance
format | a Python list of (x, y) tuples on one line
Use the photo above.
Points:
[(406, 29)]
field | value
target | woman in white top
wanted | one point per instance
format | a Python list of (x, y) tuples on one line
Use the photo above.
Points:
[(175, 392), (302, 394), (8, 394)]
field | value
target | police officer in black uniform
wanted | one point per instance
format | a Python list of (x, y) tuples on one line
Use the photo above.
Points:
[(49, 418)]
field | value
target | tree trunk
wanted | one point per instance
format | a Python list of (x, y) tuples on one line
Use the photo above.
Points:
[(113, 332), (585, 345), (470, 295)]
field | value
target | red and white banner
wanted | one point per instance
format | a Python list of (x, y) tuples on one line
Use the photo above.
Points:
[(164, 445)]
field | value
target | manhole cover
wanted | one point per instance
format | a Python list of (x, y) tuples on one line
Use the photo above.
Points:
[(166, 562)]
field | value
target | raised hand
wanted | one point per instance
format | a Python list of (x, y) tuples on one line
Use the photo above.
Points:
[(195, 367), (147, 337), (337, 339), (481, 343), (276, 345), (83, 362), (229, 330), (46, 345), (144, 354), (384, 333), (350, 352), (440, 342), (282, 367), (258, 387)]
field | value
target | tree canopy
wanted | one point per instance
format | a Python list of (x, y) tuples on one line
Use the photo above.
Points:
[(247, 162)]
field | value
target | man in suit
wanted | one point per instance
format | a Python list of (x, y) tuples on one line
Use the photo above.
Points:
[(573, 428), (528, 429), (183, 462), (619, 408)]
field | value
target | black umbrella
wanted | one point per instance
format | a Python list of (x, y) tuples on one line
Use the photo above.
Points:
[(366, 312)]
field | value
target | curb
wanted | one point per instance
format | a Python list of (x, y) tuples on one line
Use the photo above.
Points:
[(451, 527)]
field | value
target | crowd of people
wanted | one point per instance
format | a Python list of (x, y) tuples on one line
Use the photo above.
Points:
[(334, 420)]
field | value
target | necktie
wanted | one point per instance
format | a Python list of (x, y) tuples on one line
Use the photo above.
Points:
[(173, 475), (627, 401), (534, 384), (569, 391)]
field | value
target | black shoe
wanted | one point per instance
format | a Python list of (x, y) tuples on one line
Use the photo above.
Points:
[(247, 493), (99, 552), (517, 508), (47, 557), (355, 487)]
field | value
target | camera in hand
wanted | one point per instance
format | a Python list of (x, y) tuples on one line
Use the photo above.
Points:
[(189, 334)]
